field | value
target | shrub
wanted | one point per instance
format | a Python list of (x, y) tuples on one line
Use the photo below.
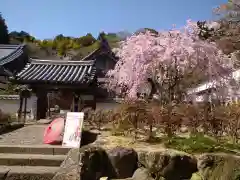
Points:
[(4, 117), (216, 120), (131, 116), (167, 117), (232, 121), (192, 117), (97, 118)]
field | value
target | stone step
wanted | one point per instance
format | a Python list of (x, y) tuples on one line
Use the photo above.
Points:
[(34, 149), (31, 160), (27, 172)]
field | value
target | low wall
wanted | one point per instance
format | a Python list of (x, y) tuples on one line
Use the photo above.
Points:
[(10, 104), (107, 105)]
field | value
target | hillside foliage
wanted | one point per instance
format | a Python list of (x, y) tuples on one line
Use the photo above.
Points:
[(61, 46)]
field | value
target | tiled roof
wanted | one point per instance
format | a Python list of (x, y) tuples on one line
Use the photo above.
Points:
[(9, 53), (63, 72), (98, 51)]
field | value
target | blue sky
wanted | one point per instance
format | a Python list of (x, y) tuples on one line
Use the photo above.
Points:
[(48, 18)]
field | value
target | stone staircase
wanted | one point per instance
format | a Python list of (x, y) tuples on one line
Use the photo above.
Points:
[(30, 162)]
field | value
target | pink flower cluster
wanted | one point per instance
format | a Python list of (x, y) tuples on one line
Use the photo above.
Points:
[(142, 56)]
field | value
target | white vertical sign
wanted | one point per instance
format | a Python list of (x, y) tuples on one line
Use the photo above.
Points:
[(73, 129)]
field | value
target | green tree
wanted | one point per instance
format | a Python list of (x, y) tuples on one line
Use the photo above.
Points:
[(4, 37), (22, 36), (86, 40)]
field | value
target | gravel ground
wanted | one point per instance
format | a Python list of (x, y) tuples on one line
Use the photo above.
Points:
[(28, 135)]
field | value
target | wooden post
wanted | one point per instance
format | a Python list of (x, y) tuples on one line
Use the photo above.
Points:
[(25, 109), (76, 103), (49, 113), (20, 108), (41, 105), (80, 103), (73, 104), (94, 105)]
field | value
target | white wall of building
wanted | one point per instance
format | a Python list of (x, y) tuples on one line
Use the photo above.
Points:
[(12, 105)]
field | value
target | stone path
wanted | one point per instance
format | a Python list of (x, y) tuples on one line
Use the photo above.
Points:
[(28, 135)]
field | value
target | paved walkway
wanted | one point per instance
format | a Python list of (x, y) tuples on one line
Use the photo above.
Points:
[(28, 135)]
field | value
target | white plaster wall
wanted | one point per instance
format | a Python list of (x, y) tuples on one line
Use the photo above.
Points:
[(107, 106), (11, 106)]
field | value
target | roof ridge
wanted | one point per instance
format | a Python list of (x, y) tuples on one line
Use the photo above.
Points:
[(14, 46), (94, 51), (61, 62)]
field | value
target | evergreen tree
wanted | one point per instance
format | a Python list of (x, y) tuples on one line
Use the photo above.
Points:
[(4, 37)]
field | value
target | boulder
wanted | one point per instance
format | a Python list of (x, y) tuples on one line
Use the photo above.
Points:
[(139, 174), (171, 166), (69, 167), (92, 162), (124, 161), (88, 137), (218, 166), (86, 163), (142, 174)]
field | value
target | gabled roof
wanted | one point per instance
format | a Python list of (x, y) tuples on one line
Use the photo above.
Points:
[(103, 47), (9, 53), (57, 72)]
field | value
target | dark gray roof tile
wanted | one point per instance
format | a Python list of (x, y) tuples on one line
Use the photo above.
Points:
[(9, 53), (48, 71)]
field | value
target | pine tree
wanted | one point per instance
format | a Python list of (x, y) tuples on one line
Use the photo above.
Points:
[(4, 37)]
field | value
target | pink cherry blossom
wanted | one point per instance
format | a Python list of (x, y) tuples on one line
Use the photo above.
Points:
[(144, 55)]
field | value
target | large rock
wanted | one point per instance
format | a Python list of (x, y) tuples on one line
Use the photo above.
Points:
[(139, 174), (171, 166), (92, 162), (88, 137), (124, 161), (218, 167), (142, 174), (86, 163), (69, 167)]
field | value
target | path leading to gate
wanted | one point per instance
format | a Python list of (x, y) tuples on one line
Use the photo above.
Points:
[(23, 155), (27, 135)]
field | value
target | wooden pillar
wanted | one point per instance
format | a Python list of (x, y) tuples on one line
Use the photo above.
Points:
[(94, 103), (72, 105), (48, 99), (20, 108), (76, 103), (25, 109), (80, 104), (41, 104)]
